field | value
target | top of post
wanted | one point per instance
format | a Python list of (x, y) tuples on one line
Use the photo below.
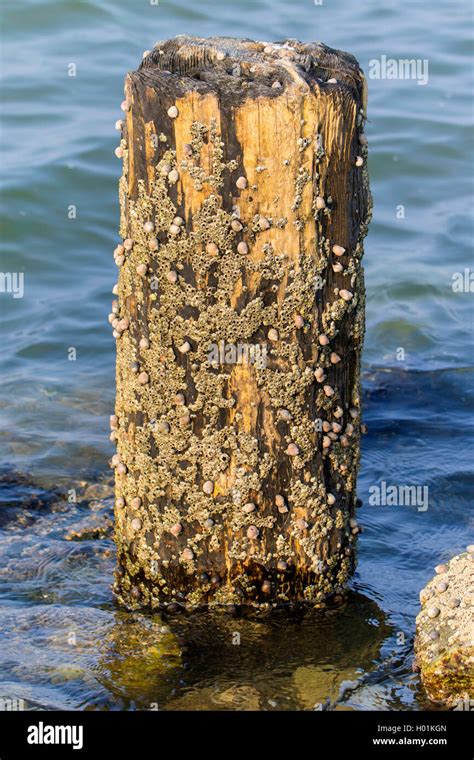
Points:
[(247, 68)]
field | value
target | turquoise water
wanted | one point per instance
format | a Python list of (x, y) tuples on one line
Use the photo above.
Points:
[(57, 145)]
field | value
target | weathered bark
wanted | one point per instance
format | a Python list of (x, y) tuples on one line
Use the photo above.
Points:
[(444, 642), (189, 467)]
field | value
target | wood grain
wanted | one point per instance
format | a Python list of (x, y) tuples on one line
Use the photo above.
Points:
[(267, 113)]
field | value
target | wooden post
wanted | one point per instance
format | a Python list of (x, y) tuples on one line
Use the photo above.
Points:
[(239, 323)]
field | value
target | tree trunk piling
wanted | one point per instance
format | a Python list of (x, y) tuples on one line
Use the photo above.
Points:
[(239, 323)]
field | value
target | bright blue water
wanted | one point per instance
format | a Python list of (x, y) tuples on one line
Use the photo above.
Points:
[(57, 150)]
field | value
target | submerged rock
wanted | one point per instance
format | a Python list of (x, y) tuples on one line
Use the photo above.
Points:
[(89, 528), (242, 698), (22, 500)]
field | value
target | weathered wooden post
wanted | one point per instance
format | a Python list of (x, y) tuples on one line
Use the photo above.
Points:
[(239, 323)]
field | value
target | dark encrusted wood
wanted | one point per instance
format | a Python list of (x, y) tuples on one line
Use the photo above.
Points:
[(302, 127)]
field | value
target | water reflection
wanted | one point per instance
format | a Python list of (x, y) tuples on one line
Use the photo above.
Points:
[(66, 646), (285, 660)]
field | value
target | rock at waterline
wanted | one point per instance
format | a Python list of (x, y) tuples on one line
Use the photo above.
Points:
[(444, 642)]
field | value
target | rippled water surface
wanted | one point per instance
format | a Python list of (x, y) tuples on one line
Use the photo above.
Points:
[(63, 644)]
